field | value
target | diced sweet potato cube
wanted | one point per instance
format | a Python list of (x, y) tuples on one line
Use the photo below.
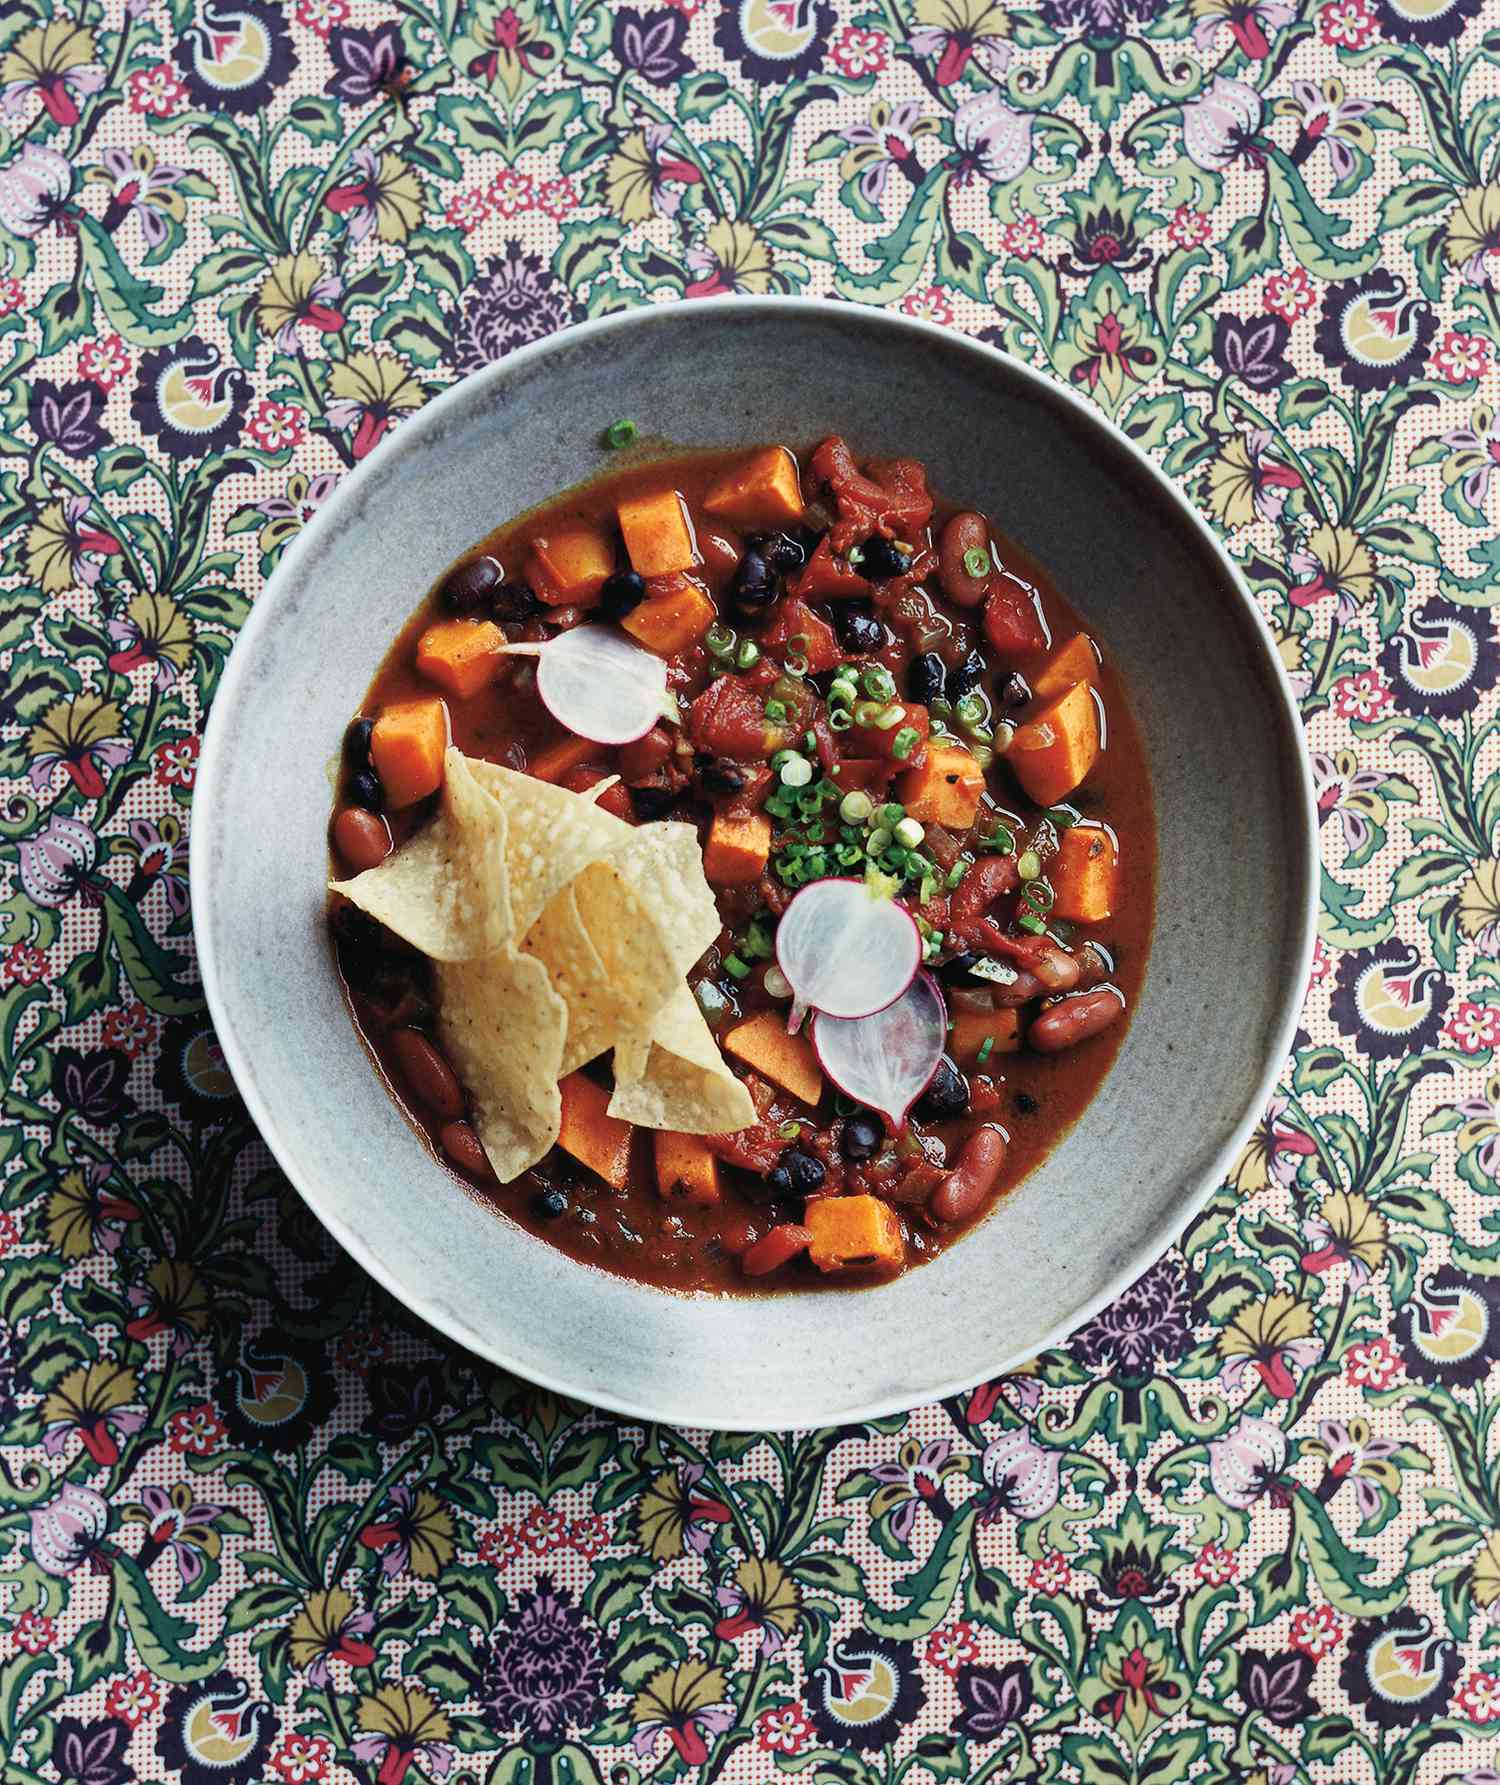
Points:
[(461, 656), (569, 564), (658, 533), (559, 760), (1084, 874), (763, 491), (686, 1172), (946, 789), (407, 748), (670, 620), (827, 578), (787, 1060), (972, 1028), (737, 849), (1076, 661), (855, 1233), (593, 1136), (1057, 746)]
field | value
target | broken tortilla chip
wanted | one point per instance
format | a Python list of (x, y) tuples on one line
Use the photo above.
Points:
[(446, 891), (600, 1001), (552, 836), (503, 1028), (673, 1075)]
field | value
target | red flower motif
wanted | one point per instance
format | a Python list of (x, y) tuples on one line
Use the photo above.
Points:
[(1363, 696), (510, 192), (545, 1529), (12, 295), (500, 1544), (1023, 238), (1215, 1565), (275, 425), (10, 1232), (1316, 1630), (196, 1430), (857, 52), (131, 1029), (1346, 24), (1479, 1697), (22, 964), (1372, 1364), (1460, 356), (33, 1633), (783, 1729), (177, 761), (590, 1535), (132, 1697), (467, 210), (1049, 1573), (1288, 295), (1322, 964), (951, 1647), (556, 198), (1473, 1027), (930, 304), (361, 1348), (322, 15), (302, 1758), (104, 362), (157, 90), (1188, 227)]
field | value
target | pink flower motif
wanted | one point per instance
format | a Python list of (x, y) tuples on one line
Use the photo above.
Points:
[(10, 1232), (556, 198), (1460, 356), (510, 192), (1049, 1573), (1479, 1697), (500, 1544), (177, 761), (467, 209), (275, 425), (1217, 1566), (783, 1729), (157, 90), (23, 964), (132, 1697), (196, 1431), (104, 362), (993, 137), (857, 52), (1023, 238), (952, 1647), (1288, 295), (931, 305), (1346, 24), (1363, 696), (1317, 1630), (1473, 1027), (590, 1535), (1247, 1462), (33, 1633), (12, 295), (1322, 964), (1188, 227), (322, 15), (545, 1529), (68, 1532), (131, 1029), (1371, 1363), (1022, 1477)]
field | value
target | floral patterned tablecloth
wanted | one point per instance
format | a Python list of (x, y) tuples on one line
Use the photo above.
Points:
[(258, 1525)]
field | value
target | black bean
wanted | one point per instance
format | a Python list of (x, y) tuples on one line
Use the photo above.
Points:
[(924, 680), (549, 1203), (1026, 1103), (754, 584), (514, 601), (364, 789), (797, 1173), (780, 551), (858, 629), (719, 775), (861, 1137), (947, 1095), (966, 677), (622, 594), (357, 743), (465, 589), (880, 558), (651, 802), (1013, 692)]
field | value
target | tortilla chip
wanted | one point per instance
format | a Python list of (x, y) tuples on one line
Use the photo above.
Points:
[(663, 866), (552, 837), (503, 1027), (446, 891), (596, 1008), (673, 1076)]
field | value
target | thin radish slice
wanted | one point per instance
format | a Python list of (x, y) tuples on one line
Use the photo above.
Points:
[(845, 949), (601, 686), (886, 1061)]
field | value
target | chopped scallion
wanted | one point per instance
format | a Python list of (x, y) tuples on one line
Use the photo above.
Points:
[(878, 683), (890, 719), (748, 654), (855, 807), (620, 433), (775, 711), (904, 742), (986, 1047), (977, 561), (1029, 865), (1031, 923), (734, 965)]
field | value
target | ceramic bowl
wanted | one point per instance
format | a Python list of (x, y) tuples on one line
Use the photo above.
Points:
[(1236, 843)]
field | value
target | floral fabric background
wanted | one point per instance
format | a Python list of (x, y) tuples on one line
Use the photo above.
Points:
[(257, 1526)]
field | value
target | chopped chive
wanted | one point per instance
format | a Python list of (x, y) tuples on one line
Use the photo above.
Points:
[(789, 1130), (620, 433), (809, 740), (1029, 865), (748, 654), (1063, 818), (856, 806), (955, 874), (878, 683), (890, 815), (986, 1047), (795, 665), (840, 719), (890, 718), (867, 713), (977, 561), (904, 742), (1031, 923), (775, 711), (734, 965), (719, 641)]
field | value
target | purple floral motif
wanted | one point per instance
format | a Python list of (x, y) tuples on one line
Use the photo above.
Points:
[(34, 190), (366, 63), (67, 416), (58, 860), (1021, 1477), (404, 1399), (176, 1522), (1254, 352), (516, 299), (1247, 1463), (1277, 1685), (1221, 126), (143, 188), (156, 855), (1374, 331), (69, 1531), (911, 1480), (992, 1698), (91, 1753), (993, 139), (544, 1670), (91, 1081), (651, 44), (1099, 18), (1148, 1325)]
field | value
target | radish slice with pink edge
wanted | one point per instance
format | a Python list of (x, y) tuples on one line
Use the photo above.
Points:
[(599, 685), (845, 949), (886, 1061)]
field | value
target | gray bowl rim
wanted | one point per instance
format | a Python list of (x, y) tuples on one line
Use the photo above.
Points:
[(1049, 393)]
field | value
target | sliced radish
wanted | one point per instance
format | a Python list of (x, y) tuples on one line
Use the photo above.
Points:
[(886, 1061), (845, 949), (601, 686)]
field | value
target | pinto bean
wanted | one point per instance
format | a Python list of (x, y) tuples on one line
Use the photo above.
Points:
[(362, 838), (961, 1191), (1074, 1019), (429, 1077), (462, 1145), (778, 1247), (967, 532)]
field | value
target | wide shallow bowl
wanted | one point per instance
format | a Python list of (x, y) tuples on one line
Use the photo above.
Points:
[(1235, 838)]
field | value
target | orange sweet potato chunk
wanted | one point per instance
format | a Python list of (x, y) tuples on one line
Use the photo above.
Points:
[(763, 491), (946, 789), (593, 1136), (787, 1060), (1057, 746), (674, 618), (1085, 874), (569, 564), (461, 656), (407, 748), (658, 534), (855, 1233), (737, 849), (1076, 661), (686, 1172), (972, 1028)]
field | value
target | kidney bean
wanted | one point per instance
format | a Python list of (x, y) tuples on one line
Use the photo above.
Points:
[(720, 552), (991, 877), (1021, 990), (1078, 1018), (429, 1077), (778, 1247), (1053, 966), (462, 1145), (962, 1190), (362, 838), (967, 532)]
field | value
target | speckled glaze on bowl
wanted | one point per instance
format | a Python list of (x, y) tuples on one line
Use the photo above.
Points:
[(1236, 845)]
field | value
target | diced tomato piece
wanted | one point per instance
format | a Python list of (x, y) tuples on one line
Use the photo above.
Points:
[(870, 740), (752, 796), (827, 578), (867, 506), (614, 799), (640, 760), (866, 774), (1013, 622), (729, 719), (795, 621)]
